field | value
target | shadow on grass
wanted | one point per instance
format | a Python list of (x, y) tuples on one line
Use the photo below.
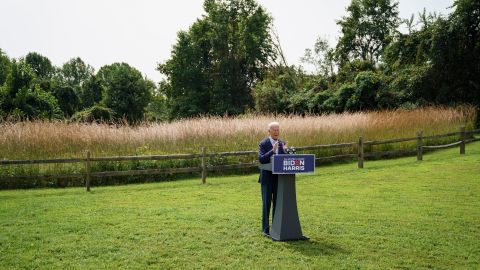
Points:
[(315, 247)]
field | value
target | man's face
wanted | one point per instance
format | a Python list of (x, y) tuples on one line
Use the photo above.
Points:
[(274, 132)]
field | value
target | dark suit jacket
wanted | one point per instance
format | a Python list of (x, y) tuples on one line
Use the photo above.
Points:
[(265, 151)]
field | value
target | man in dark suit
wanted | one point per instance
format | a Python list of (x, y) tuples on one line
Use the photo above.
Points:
[(269, 182)]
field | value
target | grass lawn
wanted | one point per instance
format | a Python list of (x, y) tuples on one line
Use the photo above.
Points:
[(394, 214)]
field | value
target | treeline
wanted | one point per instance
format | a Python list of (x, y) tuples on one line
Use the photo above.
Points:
[(375, 66), (32, 88), (230, 62)]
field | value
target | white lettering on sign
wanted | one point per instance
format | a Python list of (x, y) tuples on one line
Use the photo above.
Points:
[(294, 162), (293, 168)]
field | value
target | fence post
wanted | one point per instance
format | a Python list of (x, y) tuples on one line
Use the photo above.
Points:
[(462, 139), (419, 145), (88, 168), (204, 167), (360, 153)]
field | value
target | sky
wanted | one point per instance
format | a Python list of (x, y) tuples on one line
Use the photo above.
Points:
[(142, 32)]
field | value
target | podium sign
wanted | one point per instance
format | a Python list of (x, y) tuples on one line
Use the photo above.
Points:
[(293, 164)]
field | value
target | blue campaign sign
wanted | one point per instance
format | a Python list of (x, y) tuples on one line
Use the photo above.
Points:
[(290, 164)]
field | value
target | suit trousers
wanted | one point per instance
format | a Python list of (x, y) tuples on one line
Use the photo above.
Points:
[(269, 196)]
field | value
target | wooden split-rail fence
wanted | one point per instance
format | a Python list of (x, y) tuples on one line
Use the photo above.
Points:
[(465, 137)]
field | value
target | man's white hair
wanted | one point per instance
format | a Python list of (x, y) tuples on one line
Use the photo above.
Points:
[(273, 124)]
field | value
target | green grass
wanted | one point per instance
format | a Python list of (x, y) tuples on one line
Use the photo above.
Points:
[(394, 214)]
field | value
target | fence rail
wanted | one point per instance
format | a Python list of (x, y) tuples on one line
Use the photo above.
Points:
[(204, 168), (442, 146), (325, 146), (390, 141), (42, 161)]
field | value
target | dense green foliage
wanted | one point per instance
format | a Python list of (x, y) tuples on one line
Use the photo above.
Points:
[(216, 62), (34, 89), (394, 214), (5, 66), (368, 27), (226, 64), (375, 66), (125, 91), (96, 113)]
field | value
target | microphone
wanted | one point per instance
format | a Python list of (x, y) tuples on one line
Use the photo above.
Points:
[(289, 150)]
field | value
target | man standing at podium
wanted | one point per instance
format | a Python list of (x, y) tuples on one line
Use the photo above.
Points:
[(269, 182)]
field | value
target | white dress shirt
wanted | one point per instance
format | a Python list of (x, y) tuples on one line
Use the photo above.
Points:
[(272, 141)]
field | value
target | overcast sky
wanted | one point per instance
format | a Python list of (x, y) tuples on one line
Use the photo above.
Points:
[(142, 32)]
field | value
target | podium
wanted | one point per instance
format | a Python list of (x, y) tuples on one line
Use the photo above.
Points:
[(286, 224)]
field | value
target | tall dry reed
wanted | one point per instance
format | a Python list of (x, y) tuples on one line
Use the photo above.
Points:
[(54, 139)]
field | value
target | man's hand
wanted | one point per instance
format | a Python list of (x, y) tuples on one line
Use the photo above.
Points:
[(275, 147), (285, 146)]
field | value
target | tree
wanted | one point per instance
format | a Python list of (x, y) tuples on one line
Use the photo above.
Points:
[(288, 90), (188, 74), (369, 26), (156, 110), (5, 66), (368, 87), (77, 76), (36, 103), (321, 57), (270, 97), (41, 65), (440, 62), (75, 72), (67, 99), (125, 91), (4, 101), (411, 85), (348, 72), (91, 93), (241, 46), (455, 55), (5, 69), (215, 64), (413, 48), (21, 76)]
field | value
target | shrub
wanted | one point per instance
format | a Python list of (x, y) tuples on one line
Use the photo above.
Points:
[(36, 103), (96, 113)]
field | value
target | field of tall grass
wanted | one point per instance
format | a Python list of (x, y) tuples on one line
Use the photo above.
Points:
[(57, 139)]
